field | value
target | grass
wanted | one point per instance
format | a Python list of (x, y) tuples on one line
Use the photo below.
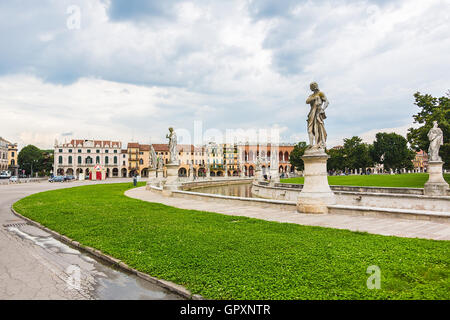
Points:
[(410, 180), (229, 257)]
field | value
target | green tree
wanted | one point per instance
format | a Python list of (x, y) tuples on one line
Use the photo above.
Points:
[(392, 151), (431, 109), (47, 162), (337, 159), (295, 158), (30, 159), (356, 154)]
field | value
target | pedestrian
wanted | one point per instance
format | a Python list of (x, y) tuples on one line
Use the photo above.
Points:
[(134, 180)]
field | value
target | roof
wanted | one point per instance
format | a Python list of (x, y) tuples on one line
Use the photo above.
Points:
[(97, 143)]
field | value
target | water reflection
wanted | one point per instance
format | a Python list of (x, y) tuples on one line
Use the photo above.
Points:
[(236, 190)]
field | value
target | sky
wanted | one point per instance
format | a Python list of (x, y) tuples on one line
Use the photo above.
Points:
[(126, 70)]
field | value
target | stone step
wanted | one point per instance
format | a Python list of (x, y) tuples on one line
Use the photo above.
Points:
[(391, 213)]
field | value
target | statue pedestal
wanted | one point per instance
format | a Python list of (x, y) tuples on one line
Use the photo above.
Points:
[(151, 178), (259, 175), (316, 194), (171, 182), (436, 184), (274, 176)]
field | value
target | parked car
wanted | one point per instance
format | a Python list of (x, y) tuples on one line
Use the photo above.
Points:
[(5, 175), (56, 179), (14, 179)]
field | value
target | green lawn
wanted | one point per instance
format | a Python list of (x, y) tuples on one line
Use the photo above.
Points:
[(229, 257), (410, 180)]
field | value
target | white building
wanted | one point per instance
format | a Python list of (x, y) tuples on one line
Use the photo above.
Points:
[(79, 157)]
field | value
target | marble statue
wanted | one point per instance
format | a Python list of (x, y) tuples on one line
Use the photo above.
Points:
[(258, 163), (159, 162), (172, 145), (191, 170), (316, 126), (153, 158), (436, 138)]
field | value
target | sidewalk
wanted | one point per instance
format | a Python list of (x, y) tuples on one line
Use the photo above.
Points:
[(384, 226)]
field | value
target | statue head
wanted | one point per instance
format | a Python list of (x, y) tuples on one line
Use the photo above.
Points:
[(435, 124), (314, 86), (170, 129)]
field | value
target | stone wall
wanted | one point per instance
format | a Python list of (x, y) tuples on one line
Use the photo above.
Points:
[(397, 198)]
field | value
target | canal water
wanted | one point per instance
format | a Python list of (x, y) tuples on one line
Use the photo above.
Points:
[(236, 190)]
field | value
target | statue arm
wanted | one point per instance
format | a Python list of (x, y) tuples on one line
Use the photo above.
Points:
[(325, 101)]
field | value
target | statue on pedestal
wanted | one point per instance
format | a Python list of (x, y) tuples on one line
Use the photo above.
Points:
[(172, 136), (316, 126), (153, 158), (316, 194), (436, 137)]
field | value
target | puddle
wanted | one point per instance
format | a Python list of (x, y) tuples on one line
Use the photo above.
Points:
[(96, 279)]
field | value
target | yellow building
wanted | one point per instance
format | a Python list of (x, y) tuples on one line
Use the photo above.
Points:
[(138, 159), (12, 154)]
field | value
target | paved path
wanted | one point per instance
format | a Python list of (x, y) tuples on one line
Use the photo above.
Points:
[(384, 226), (34, 265)]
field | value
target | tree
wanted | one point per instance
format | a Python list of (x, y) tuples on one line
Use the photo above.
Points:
[(431, 109), (47, 162), (392, 151), (30, 159), (295, 157), (336, 161), (356, 154)]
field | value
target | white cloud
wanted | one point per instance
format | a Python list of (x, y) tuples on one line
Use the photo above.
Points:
[(230, 64)]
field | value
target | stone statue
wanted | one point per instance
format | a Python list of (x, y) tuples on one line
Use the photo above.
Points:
[(436, 138), (154, 160), (191, 170), (172, 145), (159, 162), (316, 126), (258, 163)]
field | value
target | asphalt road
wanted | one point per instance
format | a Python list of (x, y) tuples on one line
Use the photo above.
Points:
[(34, 265)]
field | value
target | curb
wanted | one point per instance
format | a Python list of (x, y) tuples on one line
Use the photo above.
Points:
[(171, 286)]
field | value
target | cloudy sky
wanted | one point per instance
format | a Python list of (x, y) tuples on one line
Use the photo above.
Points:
[(128, 69)]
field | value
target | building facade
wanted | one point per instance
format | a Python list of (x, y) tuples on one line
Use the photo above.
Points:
[(12, 155), (80, 157), (420, 161), (248, 154), (138, 159), (4, 164)]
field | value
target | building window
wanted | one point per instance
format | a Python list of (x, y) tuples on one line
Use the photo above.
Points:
[(89, 151), (141, 161), (98, 151), (88, 160), (79, 160), (79, 150), (106, 160), (115, 160), (70, 150), (115, 151), (60, 161), (12, 154), (106, 151), (70, 159), (97, 159), (60, 150)]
